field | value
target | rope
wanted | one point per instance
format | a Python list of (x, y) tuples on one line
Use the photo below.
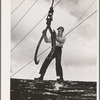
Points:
[(31, 30), (24, 15), (17, 7), (50, 46)]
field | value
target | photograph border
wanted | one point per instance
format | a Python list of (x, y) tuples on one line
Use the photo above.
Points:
[(5, 19), (5, 49)]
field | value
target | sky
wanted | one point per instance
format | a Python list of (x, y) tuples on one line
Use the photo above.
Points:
[(79, 57)]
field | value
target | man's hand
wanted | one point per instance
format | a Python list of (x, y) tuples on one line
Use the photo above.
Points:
[(44, 32), (53, 34), (60, 40)]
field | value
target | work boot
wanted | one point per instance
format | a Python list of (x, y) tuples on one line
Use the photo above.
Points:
[(60, 79), (39, 78)]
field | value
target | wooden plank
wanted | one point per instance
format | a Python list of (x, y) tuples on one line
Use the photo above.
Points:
[(52, 90)]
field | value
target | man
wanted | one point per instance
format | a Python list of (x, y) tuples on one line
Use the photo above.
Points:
[(60, 40)]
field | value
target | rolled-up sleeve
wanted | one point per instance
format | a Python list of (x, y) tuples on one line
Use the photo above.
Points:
[(47, 40), (61, 40)]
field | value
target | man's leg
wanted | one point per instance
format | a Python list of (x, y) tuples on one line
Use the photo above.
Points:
[(45, 65), (59, 71)]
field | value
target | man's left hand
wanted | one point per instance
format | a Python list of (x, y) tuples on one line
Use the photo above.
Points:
[(54, 34)]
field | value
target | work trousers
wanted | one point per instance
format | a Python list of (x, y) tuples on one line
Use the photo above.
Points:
[(57, 55)]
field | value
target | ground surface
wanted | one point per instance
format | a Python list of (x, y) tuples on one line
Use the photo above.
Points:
[(22, 89)]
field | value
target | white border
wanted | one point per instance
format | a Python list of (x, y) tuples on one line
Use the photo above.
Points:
[(5, 49), (98, 50)]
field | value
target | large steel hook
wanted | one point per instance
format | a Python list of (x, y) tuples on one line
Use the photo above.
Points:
[(49, 19), (37, 48), (40, 41)]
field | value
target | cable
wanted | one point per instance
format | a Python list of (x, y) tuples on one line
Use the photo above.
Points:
[(84, 13), (81, 22), (31, 30), (40, 53), (29, 62), (17, 7), (33, 72), (57, 3), (75, 27), (22, 67), (24, 15), (41, 20), (50, 46), (27, 34)]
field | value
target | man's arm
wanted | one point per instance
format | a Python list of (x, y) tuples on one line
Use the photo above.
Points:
[(46, 39), (60, 40)]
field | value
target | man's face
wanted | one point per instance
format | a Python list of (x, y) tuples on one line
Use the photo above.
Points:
[(60, 32)]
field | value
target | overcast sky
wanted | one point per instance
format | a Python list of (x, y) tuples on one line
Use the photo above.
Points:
[(79, 57)]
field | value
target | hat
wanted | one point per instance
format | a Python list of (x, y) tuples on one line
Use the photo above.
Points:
[(60, 28)]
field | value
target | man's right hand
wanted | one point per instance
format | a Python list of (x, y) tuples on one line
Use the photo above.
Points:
[(54, 34), (44, 32)]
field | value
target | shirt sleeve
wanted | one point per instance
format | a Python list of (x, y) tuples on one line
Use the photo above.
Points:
[(61, 40), (47, 40)]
